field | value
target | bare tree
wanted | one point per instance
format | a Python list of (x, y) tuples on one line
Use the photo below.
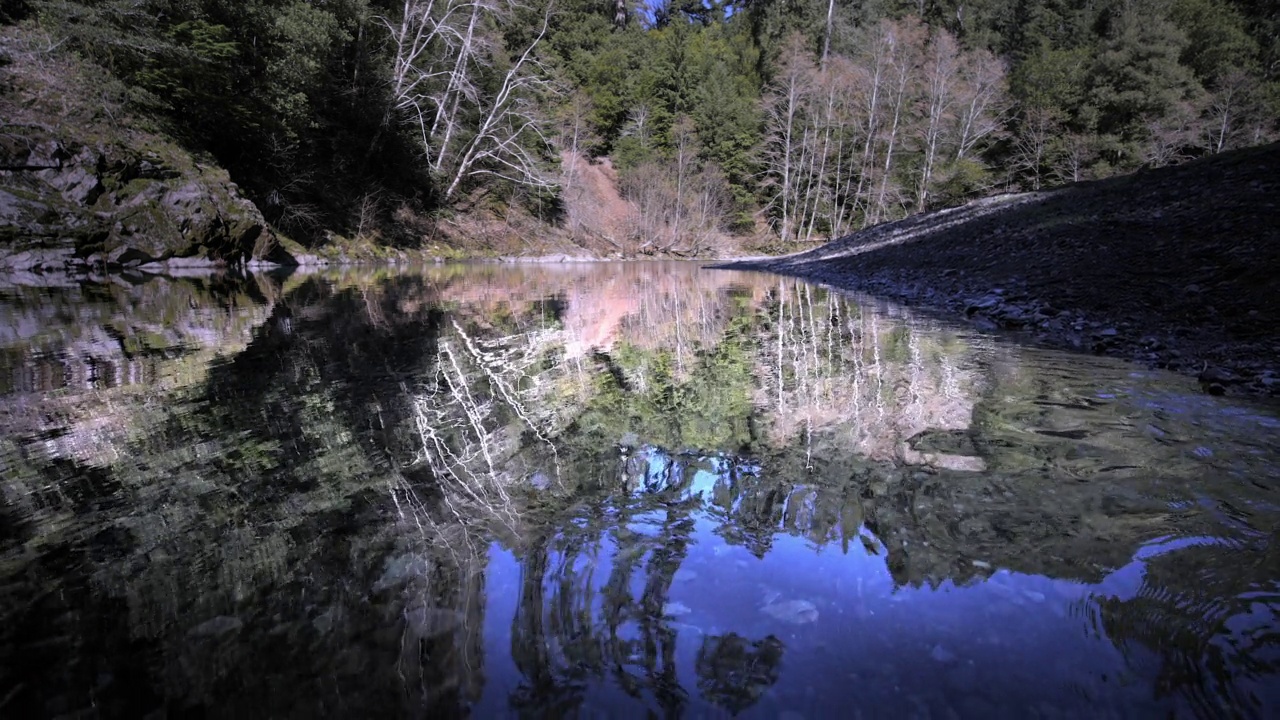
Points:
[(903, 41), (1076, 152), (826, 34), (940, 70), (983, 100), (682, 202), (1169, 135), (1234, 113), (575, 133), (868, 137), (874, 73), (685, 156), (442, 49), (706, 206), (840, 78), (784, 150), (1031, 145), (638, 126), (367, 214), (825, 117)]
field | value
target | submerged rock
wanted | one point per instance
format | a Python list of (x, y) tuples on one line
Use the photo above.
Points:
[(987, 302), (401, 569), (796, 612), (427, 622), (220, 625)]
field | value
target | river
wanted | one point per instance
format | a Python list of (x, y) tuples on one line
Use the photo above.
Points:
[(611, 490)]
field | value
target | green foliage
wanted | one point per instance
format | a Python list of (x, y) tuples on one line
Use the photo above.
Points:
[(287, 94), (1056, 79), (672, 411), (963, 179), (1217, 39), (302, 36), (723, 103), (197, 74), (295, 97), (1137, 76)]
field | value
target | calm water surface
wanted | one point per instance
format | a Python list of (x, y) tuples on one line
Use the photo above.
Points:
[(611, 491)]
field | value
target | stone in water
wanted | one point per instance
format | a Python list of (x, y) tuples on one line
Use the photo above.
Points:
[(220, 625), (796, 612)]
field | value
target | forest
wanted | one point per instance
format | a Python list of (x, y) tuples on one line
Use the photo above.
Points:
[(796, 120)]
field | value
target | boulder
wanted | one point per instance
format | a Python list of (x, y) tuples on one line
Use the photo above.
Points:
[(68, 204)]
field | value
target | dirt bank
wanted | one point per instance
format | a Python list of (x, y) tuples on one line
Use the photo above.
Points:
[(1177, 268)]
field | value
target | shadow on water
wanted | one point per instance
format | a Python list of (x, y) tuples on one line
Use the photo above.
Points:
[(610, 490)]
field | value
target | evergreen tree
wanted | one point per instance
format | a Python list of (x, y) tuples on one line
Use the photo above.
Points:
[(901, 105)]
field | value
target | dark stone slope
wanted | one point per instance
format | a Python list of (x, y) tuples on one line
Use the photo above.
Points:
[(1177, 267)]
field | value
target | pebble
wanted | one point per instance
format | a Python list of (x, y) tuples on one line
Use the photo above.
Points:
[(325, 622)]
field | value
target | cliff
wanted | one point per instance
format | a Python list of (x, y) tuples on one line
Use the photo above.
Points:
[(84, 184)]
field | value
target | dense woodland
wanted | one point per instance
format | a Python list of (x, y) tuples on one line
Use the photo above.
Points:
[(808, 118)]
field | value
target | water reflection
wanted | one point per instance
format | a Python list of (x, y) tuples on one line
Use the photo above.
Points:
[(610, 490)]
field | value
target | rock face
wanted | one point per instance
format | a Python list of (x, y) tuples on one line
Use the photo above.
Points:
[(67, 204), (85, 186)]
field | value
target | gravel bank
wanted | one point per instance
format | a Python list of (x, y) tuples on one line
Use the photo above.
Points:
[(1177, 268)]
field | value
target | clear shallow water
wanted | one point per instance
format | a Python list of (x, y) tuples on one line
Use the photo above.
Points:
[(607, 491)]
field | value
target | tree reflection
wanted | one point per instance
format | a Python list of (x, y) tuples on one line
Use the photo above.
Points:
[(572, 625), (1213, 626), (733, 672), (299, 486)]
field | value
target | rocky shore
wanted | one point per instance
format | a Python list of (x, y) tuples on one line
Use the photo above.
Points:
[(1177, 268), (85, 186)]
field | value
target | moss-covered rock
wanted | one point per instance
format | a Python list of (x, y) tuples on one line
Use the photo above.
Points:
[(69, 202), (83, 185)]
